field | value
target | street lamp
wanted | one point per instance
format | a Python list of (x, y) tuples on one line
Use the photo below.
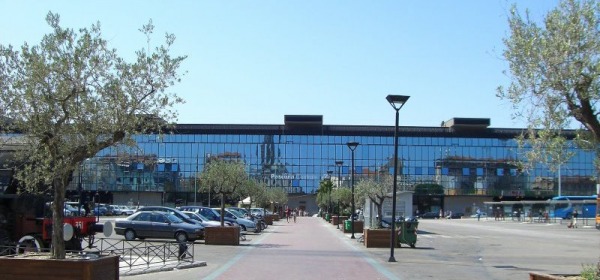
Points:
[(352, 146), (397, 101), (339, 164), (329, 172)]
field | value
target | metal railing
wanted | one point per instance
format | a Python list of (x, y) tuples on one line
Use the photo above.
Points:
[(143, 253), (132, 254)]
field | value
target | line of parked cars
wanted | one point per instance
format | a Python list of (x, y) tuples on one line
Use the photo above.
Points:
[(185, 223)]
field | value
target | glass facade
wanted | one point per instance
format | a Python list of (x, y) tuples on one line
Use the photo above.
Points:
[(465, 162)]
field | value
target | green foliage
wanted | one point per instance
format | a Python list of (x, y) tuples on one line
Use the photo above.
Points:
[(554, 71), (429, 189), (324, 193), (591, 272), (72, 96), (376, 190), (225, 178)]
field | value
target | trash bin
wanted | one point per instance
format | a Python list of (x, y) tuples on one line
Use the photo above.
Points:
[(407, 232), (348, 225), (327, 217)]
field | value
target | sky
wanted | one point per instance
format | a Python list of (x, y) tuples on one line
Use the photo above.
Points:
[(252, 62)]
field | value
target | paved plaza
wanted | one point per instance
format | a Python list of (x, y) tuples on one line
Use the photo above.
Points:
[(446, 249)]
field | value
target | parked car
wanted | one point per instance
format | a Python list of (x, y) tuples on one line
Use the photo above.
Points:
[(100, 210), (430, 215), (456, 215), (245, 224), (121, 210), (157, 224), (260, 211), (110, 210), (169, 210), (203, 220), (209, 213), (73, 211)]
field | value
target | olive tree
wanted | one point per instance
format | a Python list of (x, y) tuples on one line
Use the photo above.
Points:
[(554, 72), (224, 178), (375, 190), (72, 95)]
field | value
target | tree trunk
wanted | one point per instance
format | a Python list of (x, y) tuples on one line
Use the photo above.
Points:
[(222, 210), (58, 244)]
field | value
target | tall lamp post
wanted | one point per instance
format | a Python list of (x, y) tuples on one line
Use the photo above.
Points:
[(329, 172), (352, 146), (397, 101), (339, 164)]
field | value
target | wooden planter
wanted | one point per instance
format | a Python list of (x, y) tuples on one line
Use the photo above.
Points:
[(377, 238), (275, 217), (335, 220), (222, 235), (35, 268), (269, 219), (358, 227)]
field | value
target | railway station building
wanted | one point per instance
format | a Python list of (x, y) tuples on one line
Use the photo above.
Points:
[(455, 166)]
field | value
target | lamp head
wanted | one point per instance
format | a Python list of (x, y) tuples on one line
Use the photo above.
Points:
[(339, 162), (352, 145), (397, 101)]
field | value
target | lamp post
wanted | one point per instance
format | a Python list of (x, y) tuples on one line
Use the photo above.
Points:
[(352, 146), (397, 101), (329, 172), (339, 164)]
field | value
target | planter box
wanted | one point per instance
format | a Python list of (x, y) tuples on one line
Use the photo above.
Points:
[(378, 238), (358, 227), (269, 219), (222, 235), (275, 217), (544, 276), (335, 220), (41, 267)]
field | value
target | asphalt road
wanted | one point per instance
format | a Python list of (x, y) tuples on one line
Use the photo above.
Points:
[(446, 249)]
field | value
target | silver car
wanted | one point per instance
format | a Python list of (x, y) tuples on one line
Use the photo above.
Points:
[(157, 225)]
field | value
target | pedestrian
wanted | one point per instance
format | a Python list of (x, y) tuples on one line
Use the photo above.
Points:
[(573, 219), (478, 214), (295, 214), (288, 212)]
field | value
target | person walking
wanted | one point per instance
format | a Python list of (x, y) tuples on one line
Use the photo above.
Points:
[(478, 214), (288, 212), (295, 214)]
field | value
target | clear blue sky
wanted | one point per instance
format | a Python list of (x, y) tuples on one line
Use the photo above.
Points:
[(252, 62)]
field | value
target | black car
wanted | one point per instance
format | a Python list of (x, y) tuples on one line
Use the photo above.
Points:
[(456, 215), (430, 215), (157, 225)]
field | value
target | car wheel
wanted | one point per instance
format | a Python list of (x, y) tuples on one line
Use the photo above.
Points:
[(181, 237), (129, 234)]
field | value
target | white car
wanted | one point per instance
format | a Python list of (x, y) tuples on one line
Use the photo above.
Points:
[(121, 210)]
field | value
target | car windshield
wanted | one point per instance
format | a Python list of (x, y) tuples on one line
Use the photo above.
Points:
[(235, 213), (174, 219), (193, 216)]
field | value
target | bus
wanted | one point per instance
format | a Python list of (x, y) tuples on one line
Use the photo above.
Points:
[(564, 206)]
